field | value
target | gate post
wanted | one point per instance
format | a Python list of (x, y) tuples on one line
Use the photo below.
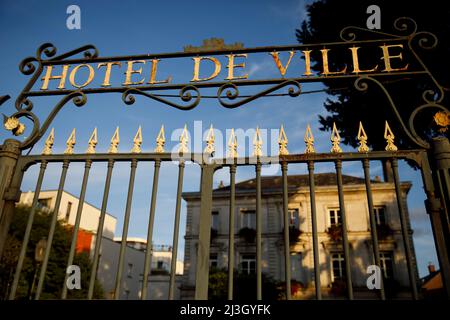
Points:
[(204, 234), (9, 185)]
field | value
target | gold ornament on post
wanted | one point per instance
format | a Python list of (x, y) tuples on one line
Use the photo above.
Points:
[(114, 142), (49, 143), (160, 141), (362, 138), (13, 124), (232, 145), (137, 141), (282, 143), (92, 142), (389, 136), (184, 139), (442, 119), (257, 144), (335, 140), (210, 138), (70, 143), (309, 140)]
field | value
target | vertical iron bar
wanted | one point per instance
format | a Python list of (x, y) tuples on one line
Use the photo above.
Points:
[(176, 230), (51, 233), (373, 224), (101, 224), (87, 168), (405, 230), (204, 234), (287, 253), (312, 196), (258, 232), (348, 275), (231, 232), (26, 237), (126, 222), (149, 247)]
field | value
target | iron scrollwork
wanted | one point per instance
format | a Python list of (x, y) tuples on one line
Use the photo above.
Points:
[(432, 97)]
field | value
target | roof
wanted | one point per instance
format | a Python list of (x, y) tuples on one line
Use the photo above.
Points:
[(275, 183)]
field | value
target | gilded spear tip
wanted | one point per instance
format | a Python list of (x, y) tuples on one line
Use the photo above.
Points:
[(184, 139), (114, 142), (92, 143), (232, 145), (282, 142), (257, 143), (389, 136), (362, 138), (49, 143), (137, 141), (70, 143), (309, 140), (335, 140), (160, 141), (210, 139)]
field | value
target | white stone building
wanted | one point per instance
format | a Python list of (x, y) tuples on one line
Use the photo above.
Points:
[(331, 256), (110, 248)]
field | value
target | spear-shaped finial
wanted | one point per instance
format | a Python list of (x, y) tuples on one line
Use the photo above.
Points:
[(49, 143), (232, 145), (70, 143), (309, 140), (389, 136), (282, 142), (137, 141), (257, 143), (114, 142), (210, 138), (335, 140), (184, 139), (160, 141), (362, 138), (92, 143)]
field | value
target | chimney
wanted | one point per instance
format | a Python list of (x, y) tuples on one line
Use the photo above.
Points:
[(431, 268)]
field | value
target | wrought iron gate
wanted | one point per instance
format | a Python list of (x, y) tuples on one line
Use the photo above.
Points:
[(432, 157)]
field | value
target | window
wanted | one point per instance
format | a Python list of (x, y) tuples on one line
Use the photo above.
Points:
[(249, 219), (294, 219), (213, 260), (337, 266), (68, 210), (130, 270), (380, 215), (44, 203), (248, 264), (335, 217), (215, 220), (386, 264)]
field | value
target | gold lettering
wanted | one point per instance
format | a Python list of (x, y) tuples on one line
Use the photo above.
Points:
[(89, 79), (326, 70), (231, 66), (355, 58), (108, 65), (153, 74), (307, 54), (280, 67), (48, 76), (197, 60), (387, 58), (130, 72)]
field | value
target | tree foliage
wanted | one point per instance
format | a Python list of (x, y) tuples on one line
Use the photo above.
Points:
[(346, 106), (57, 263)]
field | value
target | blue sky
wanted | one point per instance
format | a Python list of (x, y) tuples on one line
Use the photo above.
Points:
[(138, 27)]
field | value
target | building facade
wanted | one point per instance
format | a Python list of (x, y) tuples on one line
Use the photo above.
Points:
[(331, 255), (158, 287)]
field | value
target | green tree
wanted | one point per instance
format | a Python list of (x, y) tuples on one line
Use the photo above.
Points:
[(55, 274), (345, 105)]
